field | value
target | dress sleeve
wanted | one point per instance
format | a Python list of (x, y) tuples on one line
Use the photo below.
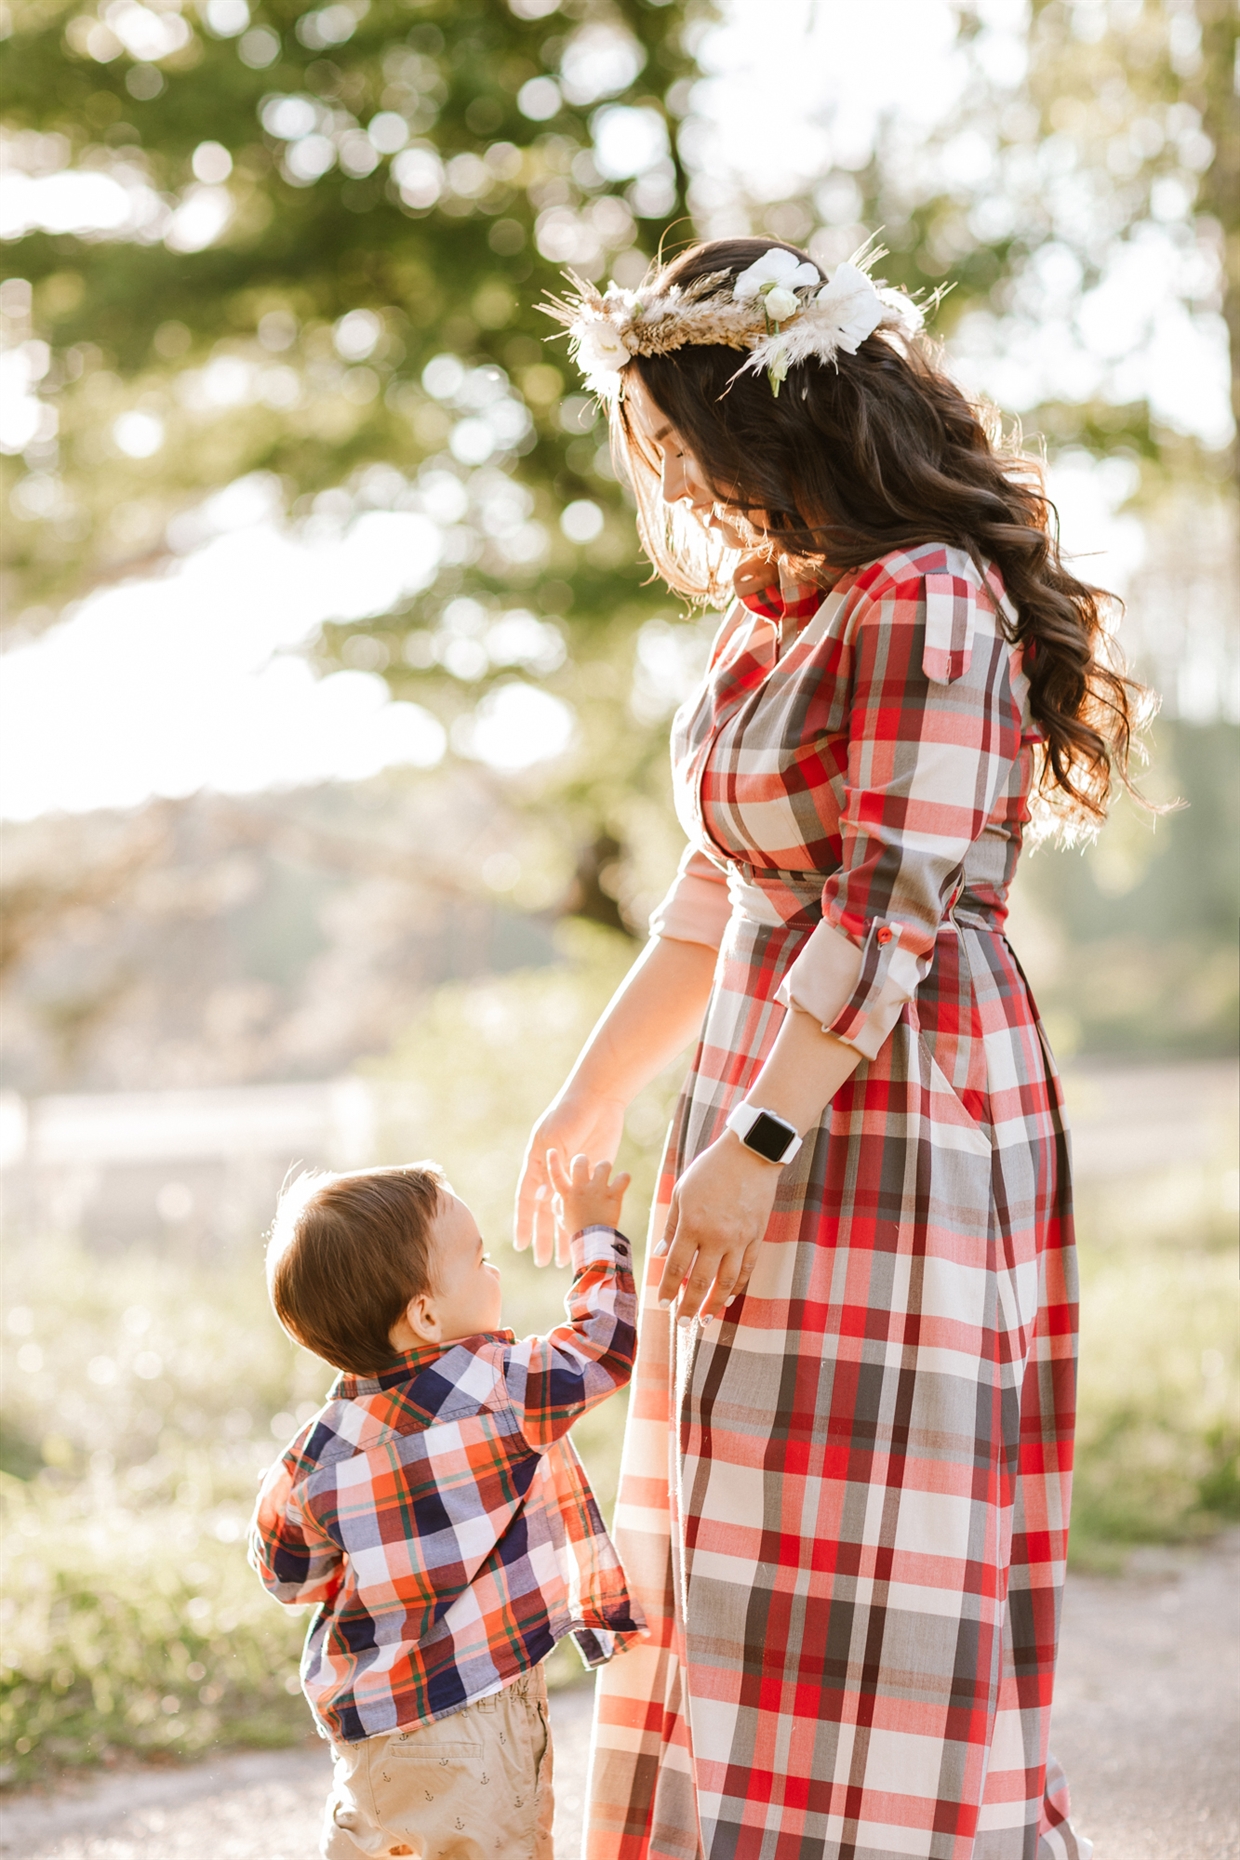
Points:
[(697, 907), (934, 728)]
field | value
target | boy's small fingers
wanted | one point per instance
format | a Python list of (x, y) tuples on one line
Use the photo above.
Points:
[(580, 1169), (621, 1183)]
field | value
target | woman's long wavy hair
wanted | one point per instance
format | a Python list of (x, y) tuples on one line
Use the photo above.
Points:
[(875, 452)]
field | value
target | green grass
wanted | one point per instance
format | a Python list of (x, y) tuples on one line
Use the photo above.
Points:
[(139, 1632), (148, 1394), (143, 1396), (1158, 1432)]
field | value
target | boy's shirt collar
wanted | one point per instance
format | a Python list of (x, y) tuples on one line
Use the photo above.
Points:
[(411, 1363), (407, 1365)]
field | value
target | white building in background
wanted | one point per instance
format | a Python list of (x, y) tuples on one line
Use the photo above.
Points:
[(197, 1168), (199, 1171)]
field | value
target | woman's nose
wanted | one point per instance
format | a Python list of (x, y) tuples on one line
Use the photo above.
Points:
[(675, 480)]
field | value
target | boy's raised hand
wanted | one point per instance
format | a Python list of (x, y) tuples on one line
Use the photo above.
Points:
[(273, 1496), (585, 1194)]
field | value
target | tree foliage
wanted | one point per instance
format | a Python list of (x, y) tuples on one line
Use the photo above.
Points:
[(1090, 135), (321, 236), (294, 342)]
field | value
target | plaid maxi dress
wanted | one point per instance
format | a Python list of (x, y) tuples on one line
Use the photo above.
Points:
[(844, 1506)]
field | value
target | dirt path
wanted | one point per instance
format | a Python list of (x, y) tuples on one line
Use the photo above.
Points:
[(1147, 1723), (1147, 1706)]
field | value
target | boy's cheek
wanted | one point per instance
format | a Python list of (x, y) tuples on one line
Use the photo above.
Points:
[(496, 1302)]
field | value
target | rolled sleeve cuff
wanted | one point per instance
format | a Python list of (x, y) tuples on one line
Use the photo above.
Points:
[(697, 906), (855, 994)]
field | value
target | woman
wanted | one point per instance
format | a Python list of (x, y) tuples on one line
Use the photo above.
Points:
[(844, 1498)]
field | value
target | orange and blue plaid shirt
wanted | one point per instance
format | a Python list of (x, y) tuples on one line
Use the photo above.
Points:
[(442, 1521)]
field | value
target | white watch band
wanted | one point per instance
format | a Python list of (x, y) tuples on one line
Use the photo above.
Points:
[(741, 1121)]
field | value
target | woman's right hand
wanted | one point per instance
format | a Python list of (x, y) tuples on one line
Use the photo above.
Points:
[(576, 1123)]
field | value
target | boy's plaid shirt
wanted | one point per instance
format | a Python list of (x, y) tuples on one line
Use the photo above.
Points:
[(440, 1517)]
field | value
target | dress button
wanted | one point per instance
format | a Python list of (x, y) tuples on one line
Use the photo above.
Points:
[(886, 933)]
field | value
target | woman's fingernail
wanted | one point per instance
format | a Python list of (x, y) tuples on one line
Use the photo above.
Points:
[(706, 1321), (665, 1304), (661, 1249)]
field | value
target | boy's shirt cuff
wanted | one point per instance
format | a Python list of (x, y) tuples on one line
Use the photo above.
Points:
[(598, 1245)]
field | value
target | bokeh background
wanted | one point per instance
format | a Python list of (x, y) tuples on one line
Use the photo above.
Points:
[(335, 693)]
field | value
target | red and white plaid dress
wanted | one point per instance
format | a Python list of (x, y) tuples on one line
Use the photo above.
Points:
[(844, 1506)]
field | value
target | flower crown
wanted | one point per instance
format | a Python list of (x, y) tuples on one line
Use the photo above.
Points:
[(773, 309)]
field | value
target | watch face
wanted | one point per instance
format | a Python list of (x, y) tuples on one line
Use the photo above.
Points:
[(769, 1136)]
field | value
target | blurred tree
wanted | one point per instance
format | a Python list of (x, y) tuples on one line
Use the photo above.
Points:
[(1117, 156), (1096, 142), (289, 261), (249, 231), (299, 253)]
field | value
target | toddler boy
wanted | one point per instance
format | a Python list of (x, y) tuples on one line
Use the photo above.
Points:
[(435, 1509)]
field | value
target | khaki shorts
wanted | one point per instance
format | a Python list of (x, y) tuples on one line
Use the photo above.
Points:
[(475, 1786)]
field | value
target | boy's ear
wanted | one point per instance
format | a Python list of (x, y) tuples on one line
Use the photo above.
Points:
[(423, 1319)]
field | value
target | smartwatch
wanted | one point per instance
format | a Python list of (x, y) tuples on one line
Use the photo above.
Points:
[(773, 1138)]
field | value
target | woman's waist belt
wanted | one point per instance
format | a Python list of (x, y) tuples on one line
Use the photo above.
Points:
[(978, 913), (773, 895)]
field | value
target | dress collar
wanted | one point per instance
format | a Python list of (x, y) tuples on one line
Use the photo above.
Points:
[(795, 601)]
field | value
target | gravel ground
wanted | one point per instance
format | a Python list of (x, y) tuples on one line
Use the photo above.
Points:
[(1147, 1724)]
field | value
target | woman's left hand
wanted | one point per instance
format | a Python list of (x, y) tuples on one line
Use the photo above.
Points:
[(719, 1213)]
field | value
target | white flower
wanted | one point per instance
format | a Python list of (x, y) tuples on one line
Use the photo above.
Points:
[(776, 365), (856, 307), (775, 267), (601, 353), (781, 303)]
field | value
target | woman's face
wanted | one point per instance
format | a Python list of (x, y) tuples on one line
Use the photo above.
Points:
[(681, 476)]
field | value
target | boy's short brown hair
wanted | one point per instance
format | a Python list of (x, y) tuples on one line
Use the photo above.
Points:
[(347, 1253)]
